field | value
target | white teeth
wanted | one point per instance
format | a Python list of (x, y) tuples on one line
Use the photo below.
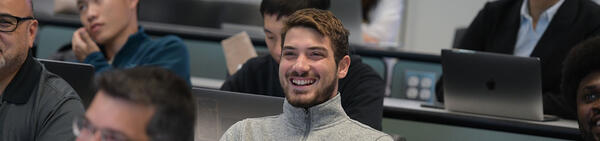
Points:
[(302, 82)]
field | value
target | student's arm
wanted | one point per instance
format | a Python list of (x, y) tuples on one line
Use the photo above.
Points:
[(87, 51), (99, 62)]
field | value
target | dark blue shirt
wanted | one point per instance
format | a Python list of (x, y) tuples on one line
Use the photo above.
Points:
[(140, 50)]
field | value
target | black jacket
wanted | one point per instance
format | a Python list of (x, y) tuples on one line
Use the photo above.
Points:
[(495, 29), (362, 90)]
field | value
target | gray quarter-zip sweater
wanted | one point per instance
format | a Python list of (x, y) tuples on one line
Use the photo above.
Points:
[(326, 121)]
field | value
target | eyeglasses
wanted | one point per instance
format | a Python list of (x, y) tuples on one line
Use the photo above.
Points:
[(84, 129), (9, 23)]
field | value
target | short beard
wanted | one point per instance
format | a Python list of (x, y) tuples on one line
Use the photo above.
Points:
[(10, 65), (586, 134), (2, 62), (322, 95)]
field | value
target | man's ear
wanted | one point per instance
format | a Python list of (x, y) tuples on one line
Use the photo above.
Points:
[(32, 32), (343, 67), (133, 4)]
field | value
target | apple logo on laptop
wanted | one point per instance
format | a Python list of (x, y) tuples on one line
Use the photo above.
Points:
[(490, 84)]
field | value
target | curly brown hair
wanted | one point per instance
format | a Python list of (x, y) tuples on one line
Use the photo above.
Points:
[(326, 24)]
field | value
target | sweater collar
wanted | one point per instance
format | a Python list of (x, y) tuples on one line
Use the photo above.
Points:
[(318, 116), (22, 85)]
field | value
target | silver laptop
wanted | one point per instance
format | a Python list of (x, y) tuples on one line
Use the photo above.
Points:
[(492, 84), (218, 110), (79, 76)]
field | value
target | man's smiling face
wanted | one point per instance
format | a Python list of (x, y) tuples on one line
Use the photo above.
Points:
[(588, 106), (308, 72)]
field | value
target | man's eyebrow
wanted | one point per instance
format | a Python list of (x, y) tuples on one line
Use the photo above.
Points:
[(266, 30), (590, 87), (289, 48), (320, 48)]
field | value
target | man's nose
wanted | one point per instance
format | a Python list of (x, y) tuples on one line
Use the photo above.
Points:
[(301, 65), (91, 13), (596, 107)]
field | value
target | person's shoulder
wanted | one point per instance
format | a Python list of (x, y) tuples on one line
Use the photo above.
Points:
[(258, 122), (167, 42), (167, 46), (503, 3), (360, 71), (259, 62), (169, 39), (252, 124), (364, 131), (590, 8), (356, 64), (500, 7), (53, 91)]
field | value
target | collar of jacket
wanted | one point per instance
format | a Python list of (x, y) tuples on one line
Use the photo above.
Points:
[(319, 116)]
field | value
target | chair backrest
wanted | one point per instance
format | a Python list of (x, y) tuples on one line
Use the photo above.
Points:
[(79, 76)]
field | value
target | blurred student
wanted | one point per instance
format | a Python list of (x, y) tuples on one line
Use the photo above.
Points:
[(111, 38), (139, 104), (381, 22)]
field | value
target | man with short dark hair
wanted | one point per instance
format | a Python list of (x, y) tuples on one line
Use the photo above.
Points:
[(141, 104), (111, 38), (362, 90), (35, 105), (581, 86), (314, 56)]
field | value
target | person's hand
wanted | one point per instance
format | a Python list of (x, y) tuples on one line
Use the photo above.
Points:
[(82, 44), (370, 39)]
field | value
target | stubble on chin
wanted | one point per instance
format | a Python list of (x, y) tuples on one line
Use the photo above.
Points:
[(2, 62), (322, 95)]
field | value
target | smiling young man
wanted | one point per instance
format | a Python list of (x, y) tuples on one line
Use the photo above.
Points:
[(314, 56), (362, 88), (111, 38), (581, 86)]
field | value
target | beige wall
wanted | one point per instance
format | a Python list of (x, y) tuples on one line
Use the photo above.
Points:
[(430, 24)]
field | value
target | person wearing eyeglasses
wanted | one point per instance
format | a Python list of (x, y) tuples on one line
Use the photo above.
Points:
[(35, 105), (139, 104), (111, 38)]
